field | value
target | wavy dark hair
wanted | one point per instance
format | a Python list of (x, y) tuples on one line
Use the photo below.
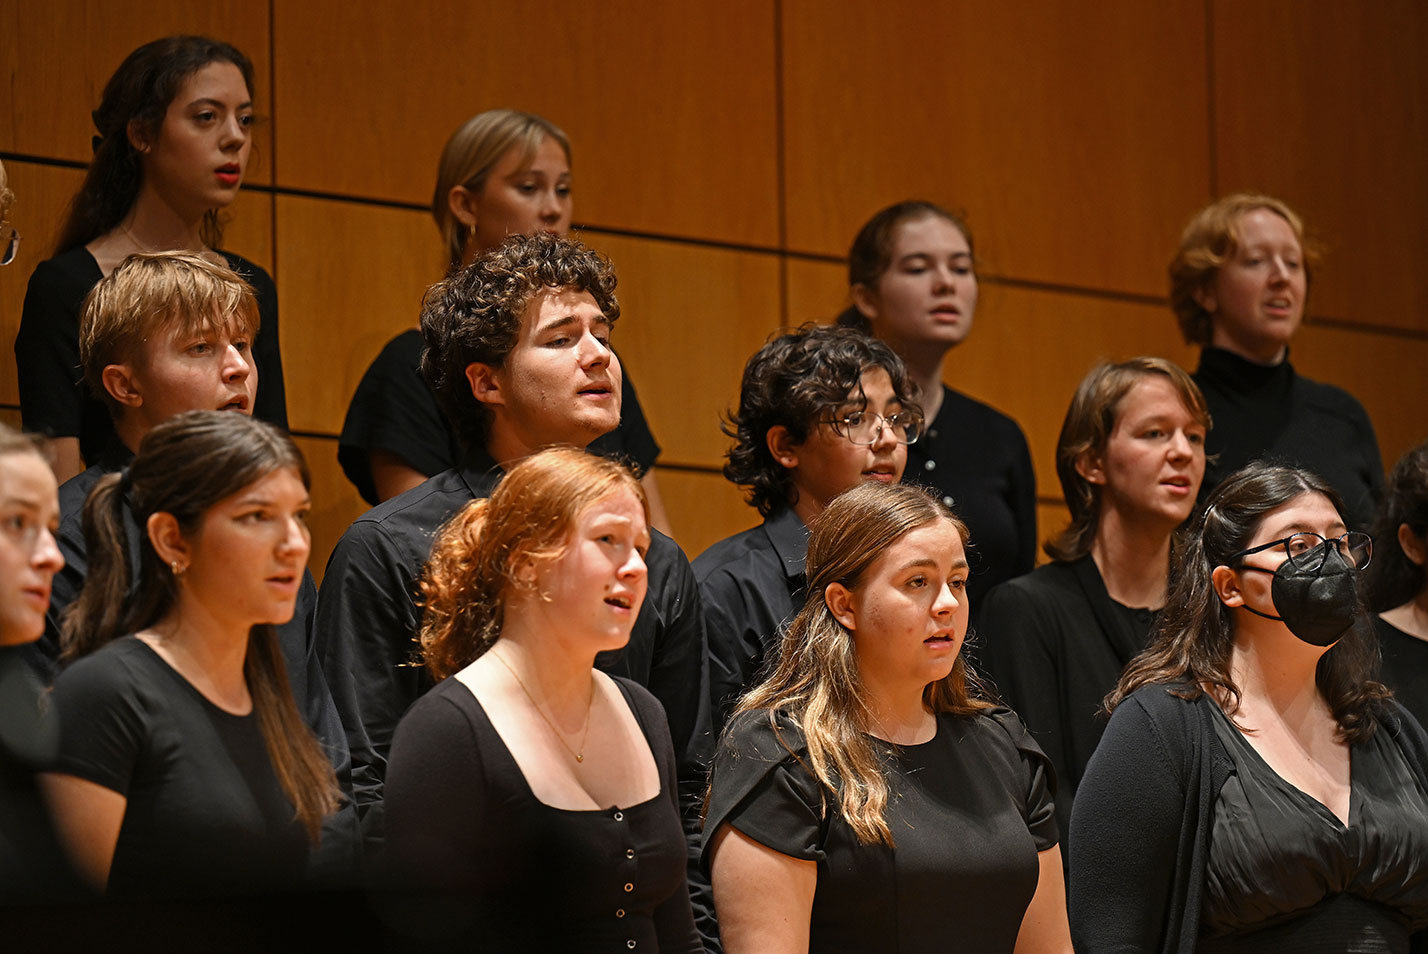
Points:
[(816, 682), (1191, 645), (1394, 579), (791, 381), (1089, 422), (185, 466), (474, 315), (141, 90), (871, 252)]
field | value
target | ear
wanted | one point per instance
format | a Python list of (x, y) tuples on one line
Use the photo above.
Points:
[(485, 383), (1227, 586), (865, 300), (782, 447), (122, 385), (1205, 297), (138, 136), (168, 540), (462, 202), (839, 600), (1089, 466), (1413, 548)]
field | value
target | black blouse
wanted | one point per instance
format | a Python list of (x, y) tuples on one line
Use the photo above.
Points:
[(969, 811), (1283, 868), (1405, 667)]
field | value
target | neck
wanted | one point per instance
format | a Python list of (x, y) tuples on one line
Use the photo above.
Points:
[(508, 448), (805, 506), (1272, 665), (1133, 558), (898, 712), (153, 225), (1268, 354), (924, 369), (206, 649), (131, 431), (1411, 617), (557, 678)]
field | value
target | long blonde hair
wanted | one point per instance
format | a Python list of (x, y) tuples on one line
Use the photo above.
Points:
[(816, 681)]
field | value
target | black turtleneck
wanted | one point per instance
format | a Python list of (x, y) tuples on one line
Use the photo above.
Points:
[(1270, 412)]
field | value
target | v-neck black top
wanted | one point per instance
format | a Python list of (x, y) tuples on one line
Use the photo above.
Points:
[(1285, 874), (512, 873)]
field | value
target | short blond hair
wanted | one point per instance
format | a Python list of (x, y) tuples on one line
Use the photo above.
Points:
[(1210, 240), (150, 293), (472, 152)]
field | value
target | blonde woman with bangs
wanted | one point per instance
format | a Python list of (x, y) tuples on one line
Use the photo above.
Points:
[(865, 796)]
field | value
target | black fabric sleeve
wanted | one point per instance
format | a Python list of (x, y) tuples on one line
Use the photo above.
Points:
[(735, 650), (393, 410), (1023, 504), (761, 786), (435, 796), (103, 727), (363, 627), (271, 403), (1127, 821), (47, 354), (1038, 784)]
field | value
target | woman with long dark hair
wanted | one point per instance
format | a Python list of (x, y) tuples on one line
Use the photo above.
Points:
[(865, 796), (174, 141), (1256, 789), (185, 768)]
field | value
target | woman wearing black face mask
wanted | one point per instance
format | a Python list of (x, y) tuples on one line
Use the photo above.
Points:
[(1256, 789)]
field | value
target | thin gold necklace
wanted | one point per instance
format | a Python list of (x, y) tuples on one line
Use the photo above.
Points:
[(580, 755)]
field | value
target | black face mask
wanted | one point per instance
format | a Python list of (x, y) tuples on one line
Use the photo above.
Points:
[(1319, 606)]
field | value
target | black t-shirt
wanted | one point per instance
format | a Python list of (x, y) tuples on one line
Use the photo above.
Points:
[(393, 410), (969, 811), (205, 815), (976, 459), (1405, 667), (53, 398), (517, 874)]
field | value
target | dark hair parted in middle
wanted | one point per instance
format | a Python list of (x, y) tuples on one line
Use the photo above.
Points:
[(1394, 579), (184, 467), (816, 680), (1090, 419), (474, 315), (792, 381), (1193, 639)]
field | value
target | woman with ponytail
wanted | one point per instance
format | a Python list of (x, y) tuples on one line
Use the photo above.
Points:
[(184, 767), (525, 763), (865, 796), (175, 127)]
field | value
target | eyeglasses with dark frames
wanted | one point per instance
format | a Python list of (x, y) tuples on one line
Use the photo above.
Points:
[(1307, 552), (865, 427)]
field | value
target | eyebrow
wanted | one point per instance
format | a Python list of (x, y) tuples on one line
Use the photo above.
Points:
[(210, 101), (572, 319)]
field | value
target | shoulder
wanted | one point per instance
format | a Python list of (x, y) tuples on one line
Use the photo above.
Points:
[(980, 417), (64, 280), (669, 569), (125, 669), (409, 521), (647, 709), (763, 735), (402, 353), (1046, 594), (1159, 714), (251, 272), (731, 555), (1330, 398), (75, 491)]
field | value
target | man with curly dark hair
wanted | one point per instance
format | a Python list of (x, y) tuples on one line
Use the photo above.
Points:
[(821, 409), (518, 355)]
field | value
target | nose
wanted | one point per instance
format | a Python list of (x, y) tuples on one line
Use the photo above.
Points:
[(947, 601), (47, 556), (594, 353), (884, 438), (1180, 447), (551, 210), (236, 364), (235, 134), (297, 540), (942, 278)]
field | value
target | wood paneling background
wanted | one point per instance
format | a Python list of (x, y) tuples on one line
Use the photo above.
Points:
[(727, 150)]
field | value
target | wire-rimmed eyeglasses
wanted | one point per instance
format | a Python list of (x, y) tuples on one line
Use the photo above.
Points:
[(1306, 550), (865, 427)]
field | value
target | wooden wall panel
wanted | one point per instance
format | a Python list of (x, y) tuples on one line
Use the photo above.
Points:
[(1072, 133), (335, 502), (669, 106), (704, 507), (349, 277), (56, 56), (690, 318), (1325, 104)]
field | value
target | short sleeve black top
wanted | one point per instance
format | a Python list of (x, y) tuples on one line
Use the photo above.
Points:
[(1405, 667), (969, 811), (463, 822), (1284, 869), (977, 461), (205, 814), (393, 410), (53, 398)]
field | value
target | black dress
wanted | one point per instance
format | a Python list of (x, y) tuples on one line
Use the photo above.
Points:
[(1405, 667), (977, 461), (53, 398), (1054, 643), (511, 873), (205, 814), (393, 410), (969, 811), (1272, 412), (1286, 876)]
